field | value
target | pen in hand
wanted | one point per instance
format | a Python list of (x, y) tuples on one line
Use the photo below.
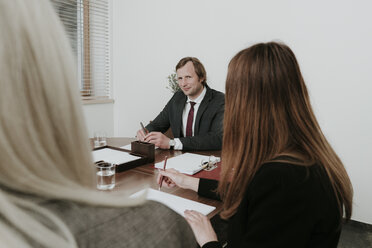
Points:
[(144, 129), (162, 177)]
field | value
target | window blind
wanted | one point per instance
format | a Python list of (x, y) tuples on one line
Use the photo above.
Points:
[(87, 25)]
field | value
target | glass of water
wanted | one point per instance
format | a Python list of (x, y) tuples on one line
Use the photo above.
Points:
[(99, 139), (102, 139), (105, 175)]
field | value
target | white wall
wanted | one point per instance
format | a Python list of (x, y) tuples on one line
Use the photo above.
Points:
[(99, 118), (332, 41)]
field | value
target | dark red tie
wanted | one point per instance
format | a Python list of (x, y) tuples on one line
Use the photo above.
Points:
[(190, 119)]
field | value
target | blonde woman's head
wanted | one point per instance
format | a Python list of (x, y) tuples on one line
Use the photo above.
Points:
[(43, 137), (44, 147), (43, 142)]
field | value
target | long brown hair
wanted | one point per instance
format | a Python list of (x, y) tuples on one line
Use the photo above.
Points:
[(267, 115)]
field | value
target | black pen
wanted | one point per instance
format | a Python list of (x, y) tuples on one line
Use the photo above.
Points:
[(143, 128)]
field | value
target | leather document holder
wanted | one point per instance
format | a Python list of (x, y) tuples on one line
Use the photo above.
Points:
[(144, 149)]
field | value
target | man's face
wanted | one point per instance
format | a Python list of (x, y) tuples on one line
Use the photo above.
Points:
[(190, 83)]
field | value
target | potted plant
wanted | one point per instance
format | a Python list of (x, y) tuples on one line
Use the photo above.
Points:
[(173, 83)]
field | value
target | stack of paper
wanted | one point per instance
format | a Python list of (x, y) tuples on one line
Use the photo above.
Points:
[(113, 156), (187, 163), (178, 204)]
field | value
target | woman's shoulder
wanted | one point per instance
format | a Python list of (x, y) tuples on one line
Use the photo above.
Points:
[(288, 169), (151, 224), (148, 225), (289, 175)]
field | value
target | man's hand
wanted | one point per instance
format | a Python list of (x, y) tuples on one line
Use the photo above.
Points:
[(158, 139), (140, 135)]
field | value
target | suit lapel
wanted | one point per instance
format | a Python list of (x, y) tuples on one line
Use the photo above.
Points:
[(203, 106)]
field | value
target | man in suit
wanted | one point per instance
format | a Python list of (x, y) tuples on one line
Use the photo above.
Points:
[(195, 113)]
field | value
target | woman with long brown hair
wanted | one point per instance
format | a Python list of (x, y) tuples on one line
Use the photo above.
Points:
[(282, 184)]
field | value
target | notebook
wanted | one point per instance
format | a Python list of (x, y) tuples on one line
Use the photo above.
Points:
[(176, 203), (187, 163)]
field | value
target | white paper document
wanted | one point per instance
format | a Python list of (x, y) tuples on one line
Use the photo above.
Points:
[(187, 163), (128, 147), (176, 203), (113, 156)]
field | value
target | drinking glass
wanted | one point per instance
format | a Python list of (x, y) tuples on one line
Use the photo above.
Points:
[(105, 175), (99, 139)]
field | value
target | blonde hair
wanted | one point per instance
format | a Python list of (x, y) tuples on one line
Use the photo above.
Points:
[(44, 147)]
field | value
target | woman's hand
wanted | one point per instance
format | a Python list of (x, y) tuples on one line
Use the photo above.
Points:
[(201, 226), (173, 178)]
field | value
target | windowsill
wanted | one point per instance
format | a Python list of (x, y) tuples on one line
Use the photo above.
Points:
[(97, 101)]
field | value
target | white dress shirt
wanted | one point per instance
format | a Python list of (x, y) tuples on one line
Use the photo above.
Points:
[(185, 113)]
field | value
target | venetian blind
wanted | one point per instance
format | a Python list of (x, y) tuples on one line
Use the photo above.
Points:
[(87, 24)]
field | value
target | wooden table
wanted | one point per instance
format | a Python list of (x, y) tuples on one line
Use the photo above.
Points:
[(145, 175)]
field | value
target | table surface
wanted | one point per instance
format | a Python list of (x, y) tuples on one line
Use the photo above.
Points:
[(145, 175)]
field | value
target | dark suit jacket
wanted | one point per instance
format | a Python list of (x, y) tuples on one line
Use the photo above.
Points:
[(284, 206), (208, 123)]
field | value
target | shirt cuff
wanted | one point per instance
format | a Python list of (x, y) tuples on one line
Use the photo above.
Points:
[(178, 145)]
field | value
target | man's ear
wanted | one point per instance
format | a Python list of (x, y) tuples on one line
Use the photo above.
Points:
[(201, 80)]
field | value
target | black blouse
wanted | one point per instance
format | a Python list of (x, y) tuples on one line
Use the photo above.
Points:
[(285, 205)]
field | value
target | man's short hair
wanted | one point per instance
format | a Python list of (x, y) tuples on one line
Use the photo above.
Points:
[(199, 68)]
